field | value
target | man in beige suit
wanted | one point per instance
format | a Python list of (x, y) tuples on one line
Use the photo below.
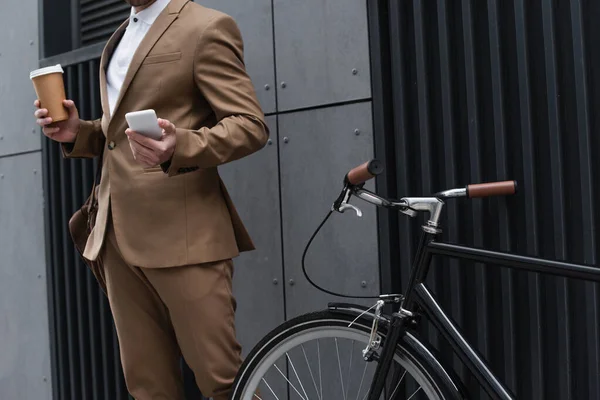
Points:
[(166, 229)]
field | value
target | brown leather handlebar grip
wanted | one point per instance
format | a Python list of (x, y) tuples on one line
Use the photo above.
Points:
[(364, 172), (505, 188)]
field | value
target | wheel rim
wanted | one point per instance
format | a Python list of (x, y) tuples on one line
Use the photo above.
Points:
[(306, 371)]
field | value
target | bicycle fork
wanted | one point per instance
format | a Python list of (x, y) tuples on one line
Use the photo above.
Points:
[(396, 330), (400, 319)]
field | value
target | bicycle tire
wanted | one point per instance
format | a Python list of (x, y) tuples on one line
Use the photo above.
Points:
[(326, 319)]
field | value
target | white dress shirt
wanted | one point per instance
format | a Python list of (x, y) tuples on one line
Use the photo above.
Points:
[(139, 24)]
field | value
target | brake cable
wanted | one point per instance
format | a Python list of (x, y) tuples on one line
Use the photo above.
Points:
[(311, 281)]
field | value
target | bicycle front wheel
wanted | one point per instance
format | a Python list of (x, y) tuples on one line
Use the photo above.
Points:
[(318, 356)]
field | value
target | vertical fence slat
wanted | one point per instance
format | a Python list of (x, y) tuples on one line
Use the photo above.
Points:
[(481, 290), (80, 297), (104, 332), (118, 377), (587, 197), (558, 220), (399, 109), (506, 275), (583, 129), (535, 328), (424, 130), (456, 273)]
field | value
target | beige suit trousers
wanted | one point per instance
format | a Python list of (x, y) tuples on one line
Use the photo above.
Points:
[(162, 313)]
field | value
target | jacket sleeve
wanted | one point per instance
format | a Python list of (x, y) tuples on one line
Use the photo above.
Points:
[(88, 142), (221, 77)]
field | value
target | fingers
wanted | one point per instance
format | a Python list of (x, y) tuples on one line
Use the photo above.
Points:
[(140, 148), (141, 140), (142, 151), (44, 121), (40, 113), (143, 155), (36, 103), (146, 162), (50, 131)]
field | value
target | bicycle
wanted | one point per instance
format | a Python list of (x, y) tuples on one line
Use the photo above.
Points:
[(401, 364)]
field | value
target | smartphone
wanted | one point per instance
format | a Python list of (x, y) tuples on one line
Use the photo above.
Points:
[(145, 123)]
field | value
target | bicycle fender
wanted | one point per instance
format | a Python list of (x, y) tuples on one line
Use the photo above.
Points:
[(356, 310), (452, 384)]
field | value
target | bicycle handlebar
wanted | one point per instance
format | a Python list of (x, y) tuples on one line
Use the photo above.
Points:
[(369, 170), (505, 188), (411, 205)]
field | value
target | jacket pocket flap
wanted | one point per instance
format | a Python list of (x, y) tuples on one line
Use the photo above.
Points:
[(153, 169), (162, 58)]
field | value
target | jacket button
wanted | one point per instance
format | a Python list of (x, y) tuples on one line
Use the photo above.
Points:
[(111, 145)]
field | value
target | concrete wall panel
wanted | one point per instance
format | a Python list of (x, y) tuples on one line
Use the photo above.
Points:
[(18, 56), (322, 50), (24, 344), (319, 148)]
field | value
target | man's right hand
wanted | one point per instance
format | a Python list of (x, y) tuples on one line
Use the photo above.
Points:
[(63, 131)]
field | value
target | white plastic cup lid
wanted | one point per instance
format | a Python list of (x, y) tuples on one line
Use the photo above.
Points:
[(45, 71)]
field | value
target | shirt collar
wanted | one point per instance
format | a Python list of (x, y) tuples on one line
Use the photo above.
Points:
[(149, 15)]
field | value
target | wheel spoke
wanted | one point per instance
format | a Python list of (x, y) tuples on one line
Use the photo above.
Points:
[(398, 385), (311, 373), (296, 373), (362, 380), (412, 395), (288, 381), (349, 370), (340, 365), (320, 375), (269, 386), (366, 394)]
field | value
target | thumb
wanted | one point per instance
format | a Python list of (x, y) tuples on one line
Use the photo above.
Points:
[(167, 126)]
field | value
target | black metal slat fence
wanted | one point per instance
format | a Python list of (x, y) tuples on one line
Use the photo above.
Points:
[(85, 350), (99, 19), (467, 91)]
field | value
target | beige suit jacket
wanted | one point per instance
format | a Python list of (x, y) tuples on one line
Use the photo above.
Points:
[(189, 68)]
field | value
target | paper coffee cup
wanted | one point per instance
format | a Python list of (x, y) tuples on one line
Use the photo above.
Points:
[(50, 89)]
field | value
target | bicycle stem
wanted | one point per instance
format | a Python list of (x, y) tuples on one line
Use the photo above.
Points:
[(407, 205)]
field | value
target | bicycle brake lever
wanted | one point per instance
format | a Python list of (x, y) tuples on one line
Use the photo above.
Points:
[(347, 206)]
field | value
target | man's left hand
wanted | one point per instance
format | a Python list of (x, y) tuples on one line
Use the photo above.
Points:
[(149, 152)]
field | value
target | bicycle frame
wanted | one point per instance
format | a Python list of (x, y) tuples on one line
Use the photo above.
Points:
[(419, 299)]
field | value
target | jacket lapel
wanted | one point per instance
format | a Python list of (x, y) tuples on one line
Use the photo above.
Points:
[(158, 28), (109, 49)]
